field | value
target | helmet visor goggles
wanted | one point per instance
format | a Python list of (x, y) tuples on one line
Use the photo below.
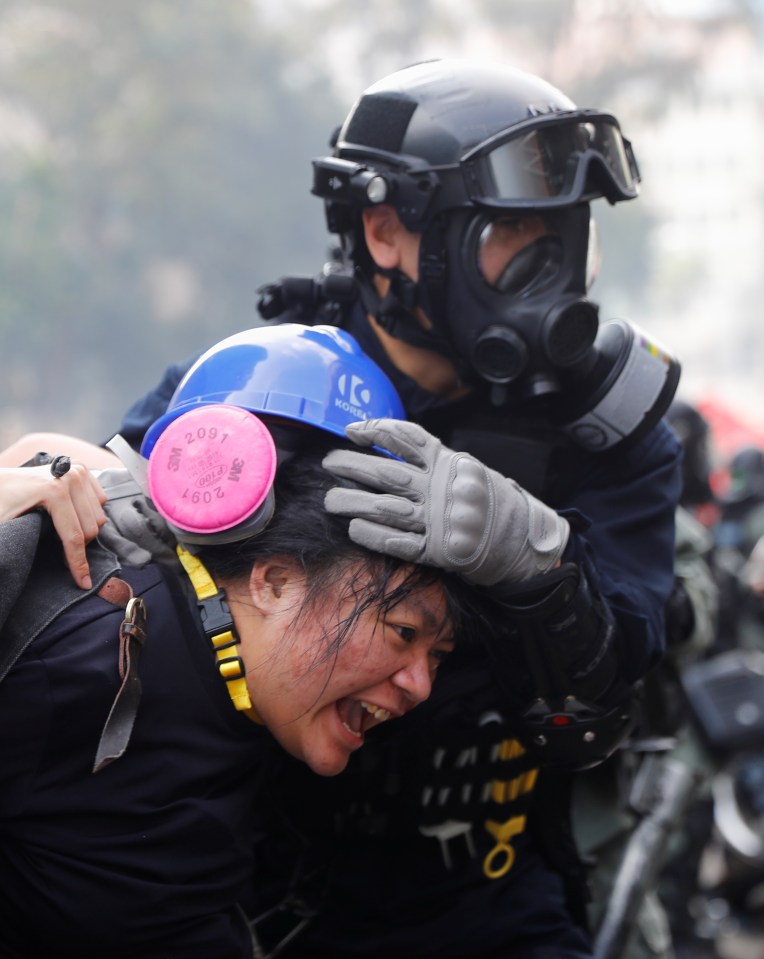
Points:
[(552, 161)]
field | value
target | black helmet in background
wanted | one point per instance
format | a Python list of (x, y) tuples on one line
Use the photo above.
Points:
[(466, 151), (746, 469), (694, 433)]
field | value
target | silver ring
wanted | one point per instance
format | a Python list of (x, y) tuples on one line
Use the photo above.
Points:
[(60, 466)]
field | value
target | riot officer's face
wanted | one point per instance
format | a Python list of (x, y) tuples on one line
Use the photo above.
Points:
[(501, 241), (392, 246)]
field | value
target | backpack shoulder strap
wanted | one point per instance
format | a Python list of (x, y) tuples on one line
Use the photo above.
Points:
[(35, 587)]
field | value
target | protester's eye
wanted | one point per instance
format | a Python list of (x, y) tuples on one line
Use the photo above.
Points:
[(406, 633)]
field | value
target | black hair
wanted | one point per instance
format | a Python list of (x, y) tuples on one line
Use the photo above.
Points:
[(319, 542)]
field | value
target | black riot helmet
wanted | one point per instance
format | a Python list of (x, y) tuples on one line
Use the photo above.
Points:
[(466, 153)]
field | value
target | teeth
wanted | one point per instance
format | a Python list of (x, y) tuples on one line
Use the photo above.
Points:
[(377, 711), (353, 731)]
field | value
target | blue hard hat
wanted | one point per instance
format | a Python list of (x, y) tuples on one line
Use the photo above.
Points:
[(314, 375)]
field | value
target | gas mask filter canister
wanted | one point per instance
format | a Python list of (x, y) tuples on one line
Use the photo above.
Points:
[(210, 475)]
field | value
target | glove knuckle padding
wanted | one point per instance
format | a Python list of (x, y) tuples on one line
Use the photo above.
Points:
[(469, 511), (494, 530)]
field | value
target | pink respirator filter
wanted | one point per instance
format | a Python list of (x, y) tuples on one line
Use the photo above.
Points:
[(212, 469)]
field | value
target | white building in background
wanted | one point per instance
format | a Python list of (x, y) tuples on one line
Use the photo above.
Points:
[(686, 79), (703, 164)]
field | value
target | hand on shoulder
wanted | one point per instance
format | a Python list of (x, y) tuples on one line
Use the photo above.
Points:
[(74, 501)]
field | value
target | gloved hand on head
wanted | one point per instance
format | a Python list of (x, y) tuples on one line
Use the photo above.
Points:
[(442, 508)]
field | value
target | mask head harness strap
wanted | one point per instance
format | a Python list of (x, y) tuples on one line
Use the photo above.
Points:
[(394, 310)]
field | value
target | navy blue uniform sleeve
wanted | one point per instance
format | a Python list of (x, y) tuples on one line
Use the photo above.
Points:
[(630, 500), (151, 406)]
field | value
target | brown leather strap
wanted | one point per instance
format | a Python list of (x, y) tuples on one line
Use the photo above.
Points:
[(132, 636), (116, 591)]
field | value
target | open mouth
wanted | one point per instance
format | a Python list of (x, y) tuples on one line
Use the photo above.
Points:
[(358, 716)]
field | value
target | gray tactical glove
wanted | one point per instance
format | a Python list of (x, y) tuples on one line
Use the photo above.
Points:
[(442, 508), (134, 531)]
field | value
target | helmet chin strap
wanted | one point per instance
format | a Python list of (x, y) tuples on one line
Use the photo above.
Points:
[(395, 311)]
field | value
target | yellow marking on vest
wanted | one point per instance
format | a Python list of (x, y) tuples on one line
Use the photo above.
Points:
[(505, 791), (503, 833)]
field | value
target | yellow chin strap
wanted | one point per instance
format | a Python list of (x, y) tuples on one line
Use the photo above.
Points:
[(218, 624)]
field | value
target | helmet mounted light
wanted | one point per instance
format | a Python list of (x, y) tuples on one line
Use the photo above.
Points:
[(345, 183)]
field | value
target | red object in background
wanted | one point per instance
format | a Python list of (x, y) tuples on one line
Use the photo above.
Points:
[(730, 429), (730, 432)]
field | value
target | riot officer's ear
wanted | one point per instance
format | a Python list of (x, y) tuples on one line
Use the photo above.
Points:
[(382, 232)]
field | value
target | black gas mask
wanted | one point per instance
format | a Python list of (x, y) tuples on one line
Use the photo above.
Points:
[(508, 292), (512, 299)]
